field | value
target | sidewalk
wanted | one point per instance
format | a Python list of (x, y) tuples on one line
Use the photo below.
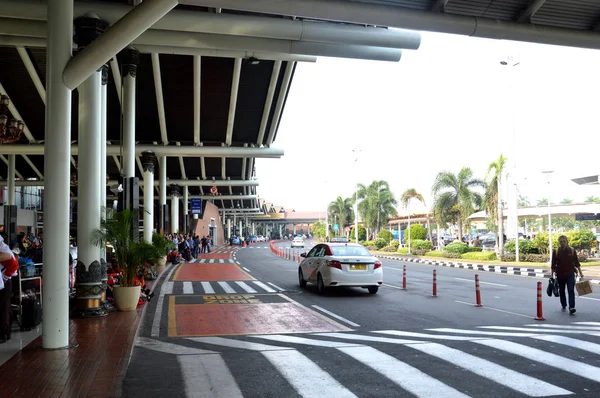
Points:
[(592, 272)]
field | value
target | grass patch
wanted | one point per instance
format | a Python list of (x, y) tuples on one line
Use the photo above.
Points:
[(479, 256), (434, 253)]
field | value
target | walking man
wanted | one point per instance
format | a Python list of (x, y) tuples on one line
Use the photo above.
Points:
[(566, 265)]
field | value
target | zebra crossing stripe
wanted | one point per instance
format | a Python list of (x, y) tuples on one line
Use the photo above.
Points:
[(411, 379), (246, 345), (588, 323), (245, 286), (203, 373), (361, 337), (572, 327), (207, 288), (300, 372), (221, 261), (265, 287), (547, 358), (211, 261), (579, 344), (187, 288), (226, 287), (514, 380), (192, 261), (302, 340), (541, 330), (427, 336)]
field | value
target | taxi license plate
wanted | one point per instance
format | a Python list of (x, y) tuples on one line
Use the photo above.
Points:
[(358, 267)]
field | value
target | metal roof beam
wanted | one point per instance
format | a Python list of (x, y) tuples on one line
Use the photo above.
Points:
[(115, 39), (32, 73), (223, 169), (287, 77), (211, 197), (529, 12), (15, 113), (197, 84), (268, 102), (440, 6), (160, 103), (5, 160), (114, 68), (203, 168), (186, 151), (235, 84)]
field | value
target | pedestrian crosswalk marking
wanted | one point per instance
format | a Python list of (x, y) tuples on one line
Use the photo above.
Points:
[(499, 374), (245, 286), (568, 341), (547, 358), (192, 260), (226, 287), (572, 327), (481, 332), (540, 330), (221, 341), (187, 288), (207, 288), (588, 323), (265, 287), (221, 261), (212, 260), (404, 375), (427, 336), (305, 341), (362, 337), (307, 378), (208, 373)]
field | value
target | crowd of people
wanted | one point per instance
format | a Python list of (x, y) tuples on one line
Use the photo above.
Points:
[(190, 246)]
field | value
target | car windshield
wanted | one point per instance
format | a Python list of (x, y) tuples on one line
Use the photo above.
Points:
[(349, 251), (297, 238)]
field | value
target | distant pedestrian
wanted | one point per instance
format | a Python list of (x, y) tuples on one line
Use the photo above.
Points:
[(566, 265)]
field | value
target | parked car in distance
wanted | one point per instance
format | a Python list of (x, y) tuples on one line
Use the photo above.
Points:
[(298, 241), (260, 238), (235, 240), (340, 264), (339, 240)]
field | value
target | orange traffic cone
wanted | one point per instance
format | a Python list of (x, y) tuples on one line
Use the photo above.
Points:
[(244, 244)]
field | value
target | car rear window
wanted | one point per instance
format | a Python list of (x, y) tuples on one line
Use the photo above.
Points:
[(349, 251)]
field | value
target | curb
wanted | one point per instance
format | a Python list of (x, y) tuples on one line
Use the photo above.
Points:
[(498, 269)]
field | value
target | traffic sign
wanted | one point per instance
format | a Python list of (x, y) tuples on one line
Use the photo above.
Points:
[(197, 206), (336, 227)]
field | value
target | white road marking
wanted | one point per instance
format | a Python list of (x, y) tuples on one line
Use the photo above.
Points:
[(169, 348), (499, 374), (588, 298), (263, 286), (305, 341), (481, 332), (483, 283), (341, 318), (580, 344), (425, 335), (192, 261), (166, 288), (247, 288), (221, 261), (588, 323), (207, 376), (404, 375), (307, 378), (572, 327), (360, 337), (245, 269), (212, 261), (547, 358), (540, 330), (393, 286), (207, 288), (226, 287), (495, 309), (188, 288), (276, 287), (246, 345)]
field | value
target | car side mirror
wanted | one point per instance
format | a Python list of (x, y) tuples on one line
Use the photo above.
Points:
[(302, 254)]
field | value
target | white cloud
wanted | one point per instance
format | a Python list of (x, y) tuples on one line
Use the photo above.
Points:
[(445, 106)]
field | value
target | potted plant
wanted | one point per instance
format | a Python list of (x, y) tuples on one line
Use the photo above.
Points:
[(162, 246), (117, 227)]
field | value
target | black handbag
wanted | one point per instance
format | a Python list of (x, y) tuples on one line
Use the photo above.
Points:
[(550, 288)]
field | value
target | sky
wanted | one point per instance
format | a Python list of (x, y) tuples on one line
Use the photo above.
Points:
[(450, 104)]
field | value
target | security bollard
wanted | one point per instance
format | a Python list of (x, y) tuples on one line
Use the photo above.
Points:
[(434, 284), (404, 278), (477, 293), (540, 316)]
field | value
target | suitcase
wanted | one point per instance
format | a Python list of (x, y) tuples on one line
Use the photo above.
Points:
[(31, 312)]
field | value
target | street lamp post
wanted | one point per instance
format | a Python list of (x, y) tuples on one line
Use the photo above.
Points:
[(548, 172)]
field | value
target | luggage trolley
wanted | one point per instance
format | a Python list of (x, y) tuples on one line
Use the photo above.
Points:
[(28, 273)]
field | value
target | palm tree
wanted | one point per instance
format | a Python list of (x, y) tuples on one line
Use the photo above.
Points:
[(341, 210), (493, 198), (542, 202), (593, 199), (454, 195), (376, 204), (409, 194), (566, 201), (523, 201)]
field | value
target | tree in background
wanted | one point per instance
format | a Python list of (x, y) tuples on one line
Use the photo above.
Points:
[(376, 205), (455, 194), (405, 199), (318, 229), (340, 211), (592, 199), (362, 234), (386, 235), (492, 199)]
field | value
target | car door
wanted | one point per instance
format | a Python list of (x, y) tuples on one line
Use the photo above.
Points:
[(317, 261), (310, 263)]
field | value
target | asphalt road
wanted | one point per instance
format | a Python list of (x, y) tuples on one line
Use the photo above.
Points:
[(397, 343)]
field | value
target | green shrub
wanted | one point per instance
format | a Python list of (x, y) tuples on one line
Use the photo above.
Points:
[(457, 247), (380, 243), (582, 257), (473, 249), (435, 253), (482, 256), (580, 239), (362, 233), (368, 243), (540, 241), (390, 249), (508, 257), (419, 244), (450, 254), (525, 246), (402, 250), (419, 252), (536, 258), (386, 235), (395, 243), (372, 248), (417, 231)]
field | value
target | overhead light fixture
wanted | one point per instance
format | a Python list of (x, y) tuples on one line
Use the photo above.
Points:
[(9, 131), (251, 61)]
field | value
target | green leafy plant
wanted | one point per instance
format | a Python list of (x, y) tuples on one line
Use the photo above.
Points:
[(435, 253), (395, 244), (526, 246), (581, 239), (379, 243), (385, 235), (402, 250), (117, 227), (448, 254), (362, 233), (482, 256), (417, 231), (419, 252), (162, 245), (318, 229), (457, 247), (419, 244), (389, 249), (473, 249)]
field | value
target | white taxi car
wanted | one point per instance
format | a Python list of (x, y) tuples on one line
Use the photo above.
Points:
[(298, 242), (340, 264)]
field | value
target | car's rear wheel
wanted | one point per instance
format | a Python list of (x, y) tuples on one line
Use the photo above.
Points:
[(320, 285), (373, 289), (301, 280)]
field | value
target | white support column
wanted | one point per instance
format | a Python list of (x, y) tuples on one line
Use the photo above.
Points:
[(294, 229), (228, 228), (185, 209), (103, 116), (241, 231), (253, 228), (148, 163), (57, 168), (162, 175), (10, 182), (129, 71), (175, 208)]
